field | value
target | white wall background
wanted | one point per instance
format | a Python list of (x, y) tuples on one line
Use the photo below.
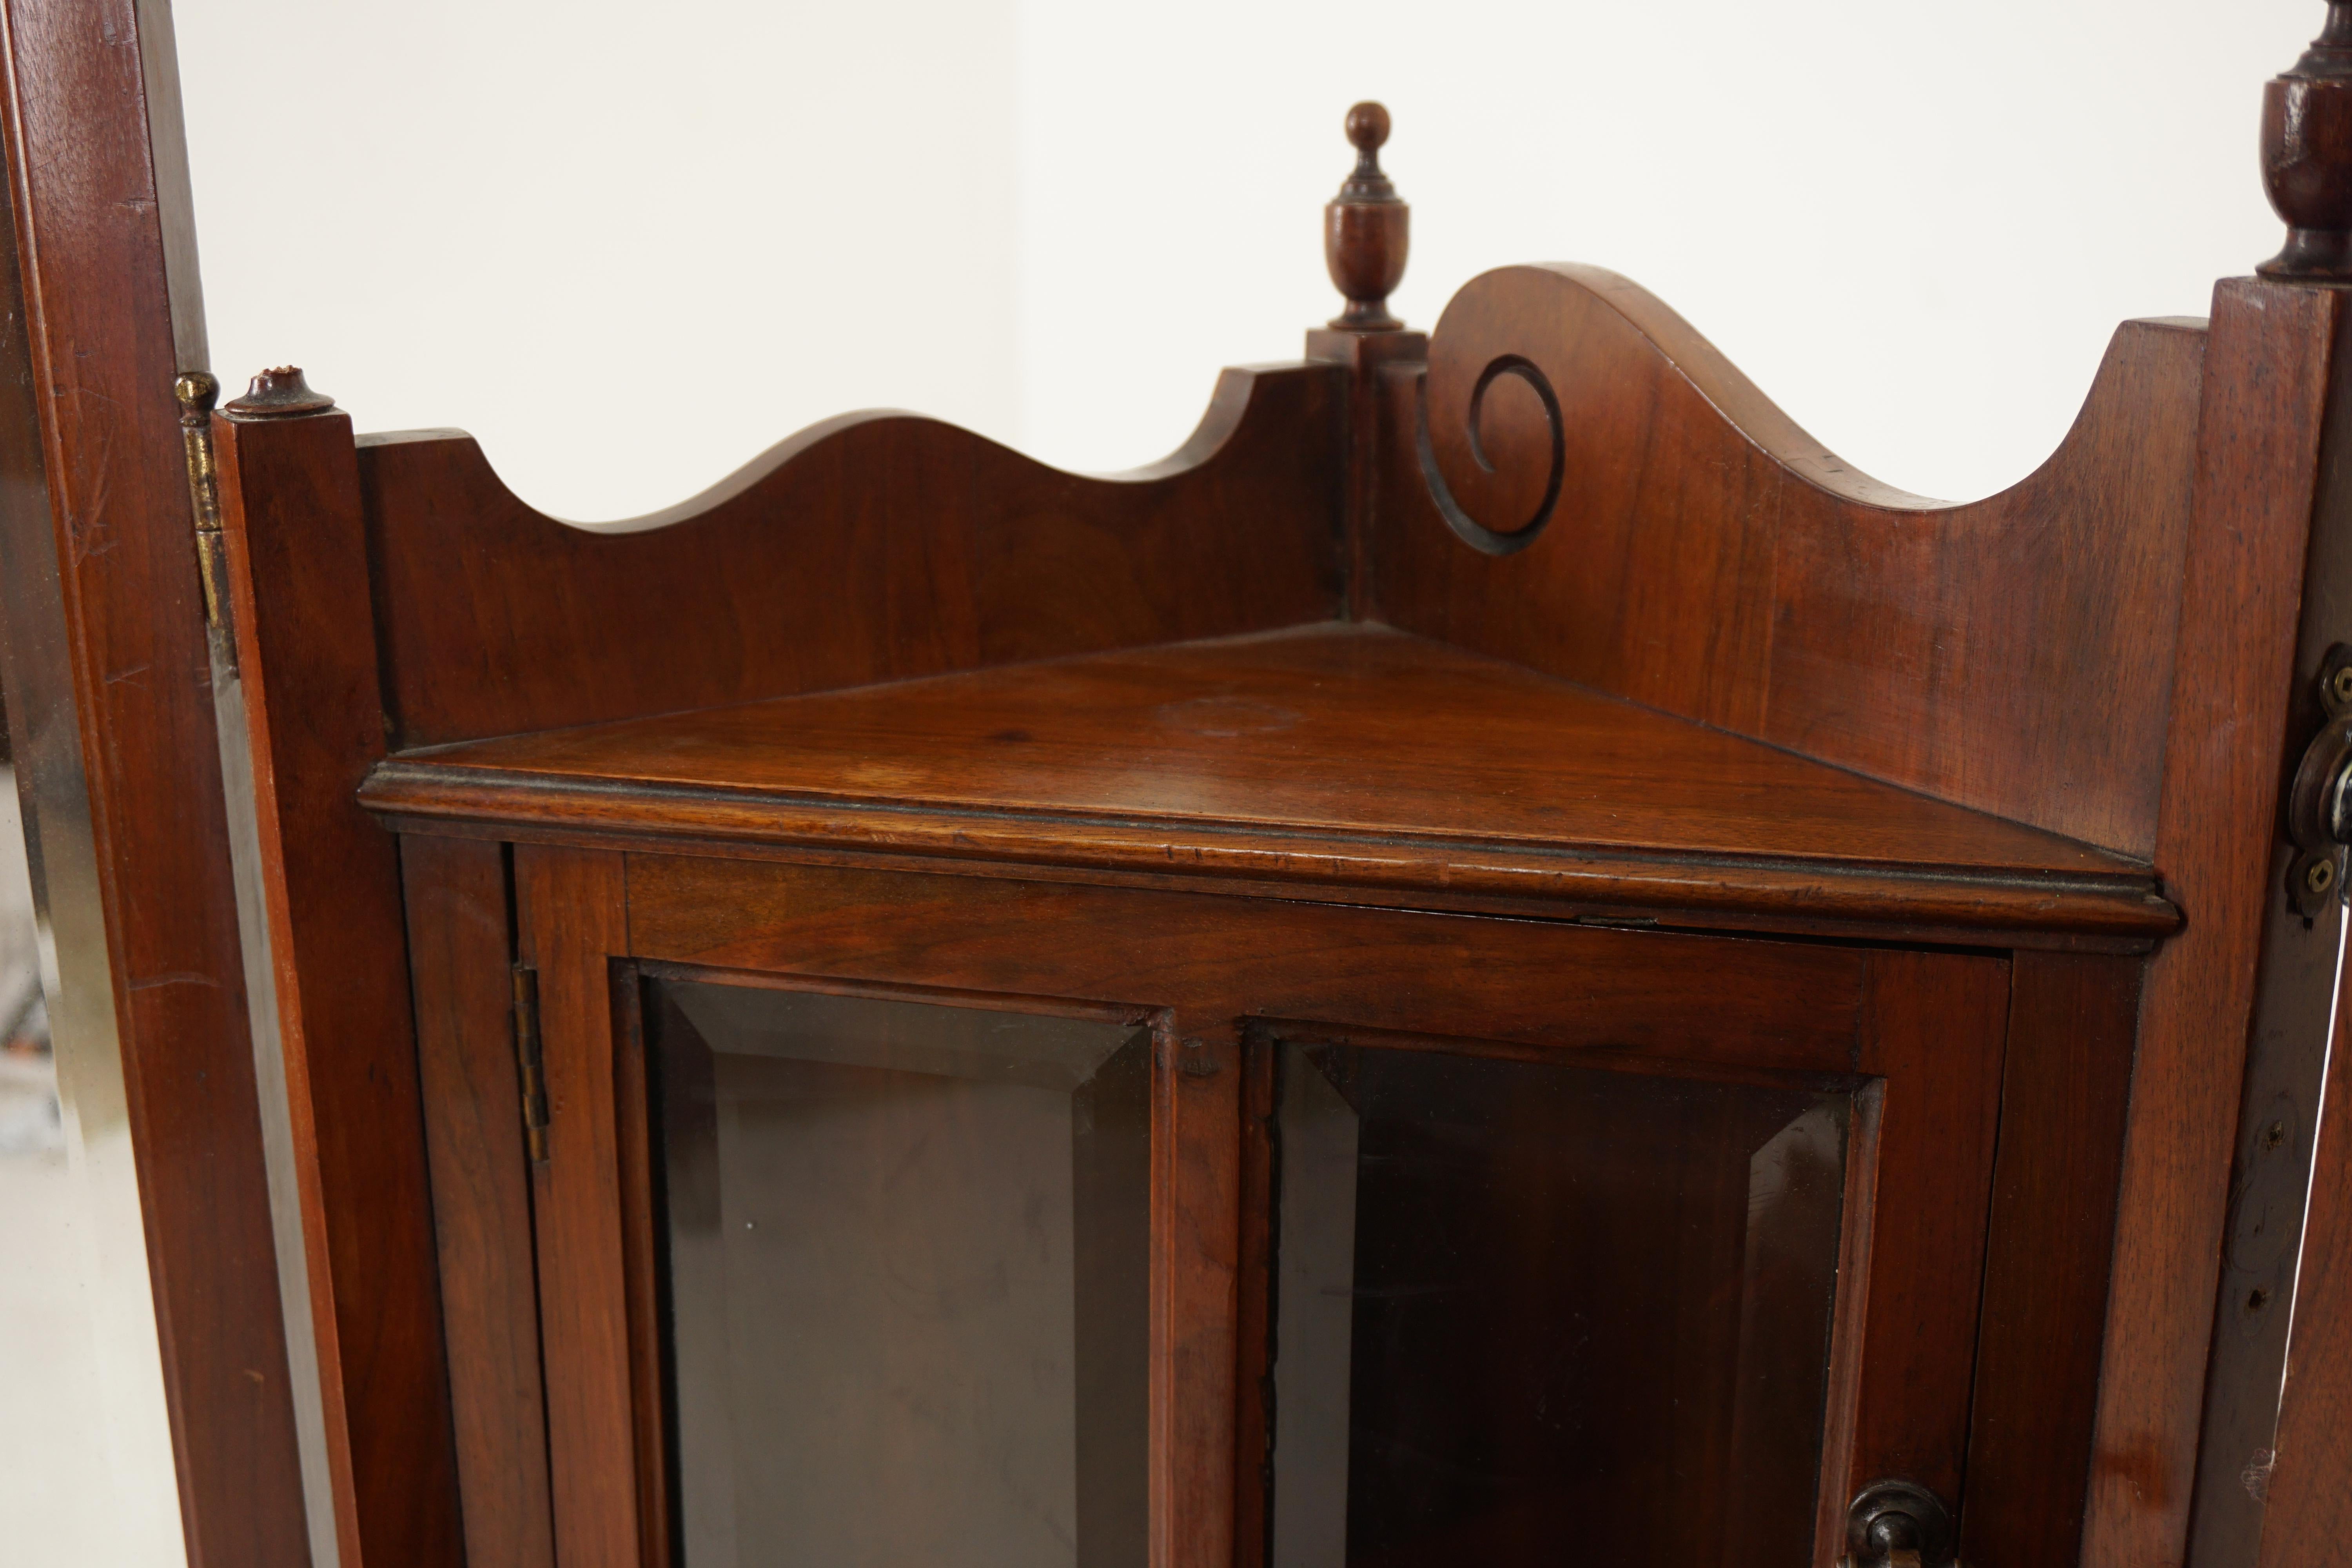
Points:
[(630, 246)]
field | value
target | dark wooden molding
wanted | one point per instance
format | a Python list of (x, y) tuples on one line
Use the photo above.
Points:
[(1331, 758), (2123, 913)]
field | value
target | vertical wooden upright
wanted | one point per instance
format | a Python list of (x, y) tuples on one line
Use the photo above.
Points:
[(106, 627), (574, 911), (297, 565), (2283, 1323), (2267, 590), (2269, 365)]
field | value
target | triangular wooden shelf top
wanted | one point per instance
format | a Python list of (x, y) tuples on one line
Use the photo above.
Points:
[(1338, 757)]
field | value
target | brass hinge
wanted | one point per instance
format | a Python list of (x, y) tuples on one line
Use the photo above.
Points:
[(197, 392), (527, 1062)]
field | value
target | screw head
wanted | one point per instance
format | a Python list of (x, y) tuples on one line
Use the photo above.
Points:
[(2319, 876), (2340, 684)]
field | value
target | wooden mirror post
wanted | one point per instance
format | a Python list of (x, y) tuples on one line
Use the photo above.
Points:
[(2274, 1479)]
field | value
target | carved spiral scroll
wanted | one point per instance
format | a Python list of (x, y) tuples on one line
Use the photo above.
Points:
[(1477, 535)]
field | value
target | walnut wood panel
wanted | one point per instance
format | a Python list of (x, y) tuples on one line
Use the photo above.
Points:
[(2273, 356), (2308, 1515), (110, 682), (2065, 1086), (460, 940), (873, 547), (1708, 557), (330, 886), (574, 917), (1335, 755)]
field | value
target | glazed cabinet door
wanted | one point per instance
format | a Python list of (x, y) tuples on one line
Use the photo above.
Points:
[(889, 1217)]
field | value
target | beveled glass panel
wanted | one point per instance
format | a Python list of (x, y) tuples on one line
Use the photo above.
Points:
[(907, 1256), (1528, 1312)]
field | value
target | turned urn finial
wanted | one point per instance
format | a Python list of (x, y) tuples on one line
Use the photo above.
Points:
[(1365, 230), (2307, 156)]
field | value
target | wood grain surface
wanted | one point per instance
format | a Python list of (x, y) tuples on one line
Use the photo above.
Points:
[(1709, 557), (2287, 1052), (872, 547), (2065, 1084), (1788, 1006), (571, 906), (105, 621), (460, 946), (1337, 754), (2273, 358), (330, 886), (1932, 1027)]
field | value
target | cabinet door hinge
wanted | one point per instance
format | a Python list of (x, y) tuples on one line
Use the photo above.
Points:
[(197, 392), (527, 1062)]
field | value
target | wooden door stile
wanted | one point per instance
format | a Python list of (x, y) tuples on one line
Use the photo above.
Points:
[(461, 946), (2066, 1086), (1196, 1241), (572, 907), (1932, 1028)]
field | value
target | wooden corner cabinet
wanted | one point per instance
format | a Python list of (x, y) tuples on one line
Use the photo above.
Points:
[(1318, 1093), (1501, 961)]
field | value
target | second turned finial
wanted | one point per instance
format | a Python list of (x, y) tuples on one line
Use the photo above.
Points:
[(1366, 230), (2307, 156)]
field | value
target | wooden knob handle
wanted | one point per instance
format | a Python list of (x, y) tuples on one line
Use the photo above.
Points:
[(1367, 230)]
